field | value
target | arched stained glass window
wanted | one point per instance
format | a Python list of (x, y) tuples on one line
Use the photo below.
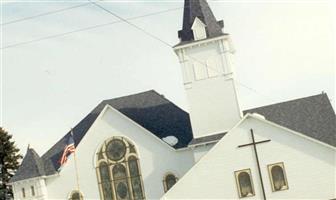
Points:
[(118, 171), (135, 177), (244, 183), (105, 181), (277, 177), (168, 181), (76, 195), (120, 181)]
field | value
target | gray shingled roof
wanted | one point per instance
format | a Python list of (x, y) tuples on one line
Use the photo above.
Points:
[(207, 139), (31, 166), (149, 109), (312, 116), (200, 9)]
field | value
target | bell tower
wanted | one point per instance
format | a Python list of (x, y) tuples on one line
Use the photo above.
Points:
[(205, 54)]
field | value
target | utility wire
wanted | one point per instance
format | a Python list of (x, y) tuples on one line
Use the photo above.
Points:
[(167, 44), (44, 14), (131, 24), (86, 28), (121, 19), (140, 29), (253, 90), (239, 83), (48, 13)]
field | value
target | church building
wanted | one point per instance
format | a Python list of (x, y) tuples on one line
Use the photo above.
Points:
[(143, 146)]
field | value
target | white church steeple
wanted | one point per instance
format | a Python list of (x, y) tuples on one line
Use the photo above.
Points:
[(205, 54)]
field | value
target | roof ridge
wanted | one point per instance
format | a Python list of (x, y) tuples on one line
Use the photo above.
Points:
[(51, 155), (129, 95), (67, 133), (38, 162), (287, 101), (37, 158), (31, 162), (313, 116), (163, 96), (104, 102), (148, 91)]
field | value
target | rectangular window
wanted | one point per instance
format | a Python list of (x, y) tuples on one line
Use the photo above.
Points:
[(277, 176), (187, 72), (23, 193), (200, 70), (244, 183), (214, 67), (32, 190)]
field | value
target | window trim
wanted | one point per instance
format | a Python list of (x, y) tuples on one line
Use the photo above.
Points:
[(76, 191), (32, 190), (236, 174), (99, 181), (269, 168), (124, 161), (164, 180), (23, 192)]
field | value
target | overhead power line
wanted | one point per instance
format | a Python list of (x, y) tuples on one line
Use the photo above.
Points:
[(48, 13), (131, 24), (254, 91), (121, 19), (44, 14), (86, 29), (167, 44)]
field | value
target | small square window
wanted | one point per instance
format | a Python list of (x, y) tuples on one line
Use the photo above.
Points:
[(200, 70), (244, 183), (277, 176)]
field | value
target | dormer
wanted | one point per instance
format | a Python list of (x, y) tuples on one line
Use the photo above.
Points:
[(199, 22), (198, 28)]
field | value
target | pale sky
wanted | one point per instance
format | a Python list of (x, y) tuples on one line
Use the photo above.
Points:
[(284, 50)]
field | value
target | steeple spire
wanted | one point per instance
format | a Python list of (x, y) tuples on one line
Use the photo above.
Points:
[(199, 9), (205, 54)]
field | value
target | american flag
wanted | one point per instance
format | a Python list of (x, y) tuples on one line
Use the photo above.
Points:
[(68, 149)]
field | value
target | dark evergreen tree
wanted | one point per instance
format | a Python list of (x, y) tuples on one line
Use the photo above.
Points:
[(9, 162)]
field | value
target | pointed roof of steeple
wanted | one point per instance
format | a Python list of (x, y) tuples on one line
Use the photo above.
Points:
[(201, 10), (31, 166)]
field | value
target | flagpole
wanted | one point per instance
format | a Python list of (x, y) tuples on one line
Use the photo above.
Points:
[(76, 168)]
